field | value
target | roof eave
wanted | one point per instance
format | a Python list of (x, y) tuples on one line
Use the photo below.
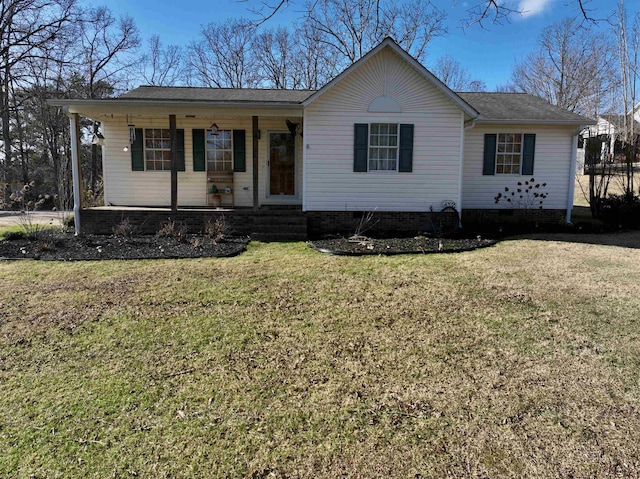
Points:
[(179, 103), (584, 122)]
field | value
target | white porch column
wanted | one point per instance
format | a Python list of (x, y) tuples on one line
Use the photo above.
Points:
[(74, 126)]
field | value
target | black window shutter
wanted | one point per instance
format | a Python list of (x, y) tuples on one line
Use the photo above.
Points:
[(180, 137), (198, 150), (360, 147), (239, 151), (489, 165), (406, 149), (528, 153), (137, 152)]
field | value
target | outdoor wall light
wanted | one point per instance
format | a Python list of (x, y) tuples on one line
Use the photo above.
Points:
[(214, 129)]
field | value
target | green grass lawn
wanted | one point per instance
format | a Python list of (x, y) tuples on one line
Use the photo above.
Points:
[(520, 360)]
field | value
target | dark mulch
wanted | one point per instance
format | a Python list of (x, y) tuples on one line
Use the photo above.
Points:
[(392, 246), (55, 245)]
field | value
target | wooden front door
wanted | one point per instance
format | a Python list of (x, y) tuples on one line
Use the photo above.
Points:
[(282, 164)]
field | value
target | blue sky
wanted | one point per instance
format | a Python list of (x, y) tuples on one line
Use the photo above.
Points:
[(488, 53)]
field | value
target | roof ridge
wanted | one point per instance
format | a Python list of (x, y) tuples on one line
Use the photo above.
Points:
[(216, 88)]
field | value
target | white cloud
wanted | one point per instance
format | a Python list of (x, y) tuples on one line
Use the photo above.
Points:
[(530, 8)]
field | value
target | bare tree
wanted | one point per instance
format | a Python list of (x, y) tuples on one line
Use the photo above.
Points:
[(480, 13), (571, 69), (105, 42), (26, 28), (455, 76), (274, 51), (313, 64), (352, 27), (162, 66), (222, 58), (628, 44)]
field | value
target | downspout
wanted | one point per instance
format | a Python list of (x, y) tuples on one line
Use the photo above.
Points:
[(74, 126), (572, 175), (465, 126)]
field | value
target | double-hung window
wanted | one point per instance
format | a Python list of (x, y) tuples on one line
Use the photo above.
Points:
[(509, 154), (383, 147), (219, 151), (157, 149)]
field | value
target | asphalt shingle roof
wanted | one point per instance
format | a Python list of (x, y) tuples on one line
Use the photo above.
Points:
[(509, 107), (249, 95), (518, 107)]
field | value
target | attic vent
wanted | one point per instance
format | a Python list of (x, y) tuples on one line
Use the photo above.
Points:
[(385, 104)]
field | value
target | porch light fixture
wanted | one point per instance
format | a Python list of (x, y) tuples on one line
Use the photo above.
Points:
[(97, 139), (214, 129)]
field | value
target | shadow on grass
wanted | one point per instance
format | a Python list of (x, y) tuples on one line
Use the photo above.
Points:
[(623, 239)]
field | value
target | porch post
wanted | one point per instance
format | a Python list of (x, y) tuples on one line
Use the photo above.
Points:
[(174, 163), (256, 137), (74, 127)]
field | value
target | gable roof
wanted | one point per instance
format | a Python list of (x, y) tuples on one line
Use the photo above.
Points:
[(199, 94), (520, 108), (417, 66)]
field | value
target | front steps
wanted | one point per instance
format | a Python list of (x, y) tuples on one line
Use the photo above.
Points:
[(279, 225)]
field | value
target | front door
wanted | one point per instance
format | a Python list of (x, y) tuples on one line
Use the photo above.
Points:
[(282, 164)]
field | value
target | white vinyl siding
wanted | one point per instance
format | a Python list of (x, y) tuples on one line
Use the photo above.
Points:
[(124, 187), (332, 185), (551, 166)]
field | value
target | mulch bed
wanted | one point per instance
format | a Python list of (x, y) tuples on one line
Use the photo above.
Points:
[(393, 246), (58, 246)]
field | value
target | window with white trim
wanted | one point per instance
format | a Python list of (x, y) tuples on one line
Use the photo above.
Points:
[(383, 147), (509, 153), (219, 151), (157, 149)]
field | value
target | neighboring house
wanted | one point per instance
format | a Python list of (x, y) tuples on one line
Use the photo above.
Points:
[(384, 135), (610, 132)]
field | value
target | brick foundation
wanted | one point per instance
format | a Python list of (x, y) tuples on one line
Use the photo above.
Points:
[(382, 223), (288, 224), (472, 217)]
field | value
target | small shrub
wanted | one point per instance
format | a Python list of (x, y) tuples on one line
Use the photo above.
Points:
[(196, 243), (171, 230), (45, 246), (365, 224), (26, 201), (124, 229), (217, 229), (526, 195), (14, 235), (621, 210)]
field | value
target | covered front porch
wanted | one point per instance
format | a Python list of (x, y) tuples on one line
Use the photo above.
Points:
[(182, 155)]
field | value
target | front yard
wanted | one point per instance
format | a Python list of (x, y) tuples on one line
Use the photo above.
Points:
[(519, 360)]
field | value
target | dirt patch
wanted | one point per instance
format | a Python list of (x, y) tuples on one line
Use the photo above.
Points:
[(58, 246), (394, 246)]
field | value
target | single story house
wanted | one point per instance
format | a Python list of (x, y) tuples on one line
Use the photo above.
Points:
[(385, 135)]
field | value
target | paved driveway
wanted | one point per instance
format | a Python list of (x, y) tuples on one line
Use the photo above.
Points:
[(12, 218)]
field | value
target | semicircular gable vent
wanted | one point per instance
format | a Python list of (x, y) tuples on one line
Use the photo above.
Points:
[(385, 104)]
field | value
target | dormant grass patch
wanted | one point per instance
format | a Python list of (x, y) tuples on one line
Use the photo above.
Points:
[(520, 360)]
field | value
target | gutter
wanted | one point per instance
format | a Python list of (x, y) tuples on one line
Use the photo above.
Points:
[(163, 103), (537, 122)]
